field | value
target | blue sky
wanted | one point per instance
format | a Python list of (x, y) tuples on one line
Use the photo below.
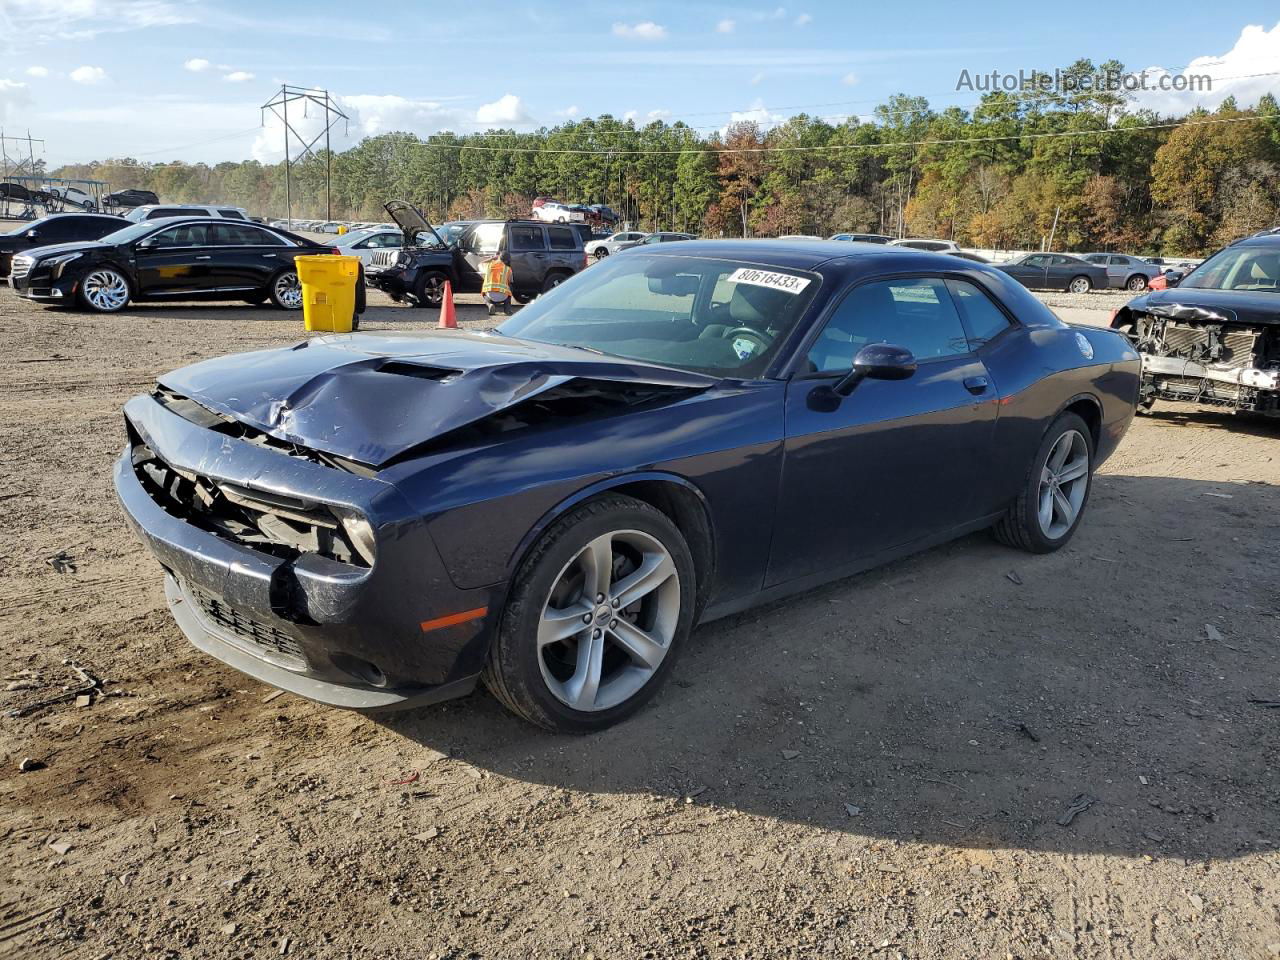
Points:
[(172, 79)]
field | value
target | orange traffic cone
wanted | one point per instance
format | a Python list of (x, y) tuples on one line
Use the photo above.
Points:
[(448, 321)]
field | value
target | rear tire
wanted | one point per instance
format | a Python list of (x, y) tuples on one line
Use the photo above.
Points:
[(1080, 285), (1046, 514), (1137, 283), (285, 290), (601, 253), (553, 280), (571, 654)]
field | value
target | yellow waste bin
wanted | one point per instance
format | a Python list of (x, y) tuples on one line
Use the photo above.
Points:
[(328, 291)]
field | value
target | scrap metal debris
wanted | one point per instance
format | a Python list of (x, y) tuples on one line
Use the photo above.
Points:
[(1267, 704), (1078, 805), (62, 562), (1014, 578), (1212, 633), (92, 688)]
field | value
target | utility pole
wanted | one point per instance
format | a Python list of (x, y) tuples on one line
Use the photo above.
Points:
[(279, 106), (27, 166)]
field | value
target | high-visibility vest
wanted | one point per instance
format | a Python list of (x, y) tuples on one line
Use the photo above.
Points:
[(497, 278)]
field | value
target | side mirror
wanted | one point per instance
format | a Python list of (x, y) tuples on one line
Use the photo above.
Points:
[(146, 244), (32, 234), (877, 361), (1174, 277)]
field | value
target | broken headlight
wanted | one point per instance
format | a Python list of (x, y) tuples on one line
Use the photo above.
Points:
[(358, 530)]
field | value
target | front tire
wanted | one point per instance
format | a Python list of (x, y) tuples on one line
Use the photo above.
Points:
[(553, 280), (1080, 285), (429, 290), (1055, 492), (601, 253), (596, 617), (104, 290), (285, 290)]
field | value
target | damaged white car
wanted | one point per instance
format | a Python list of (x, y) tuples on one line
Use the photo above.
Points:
[(1215, 337)]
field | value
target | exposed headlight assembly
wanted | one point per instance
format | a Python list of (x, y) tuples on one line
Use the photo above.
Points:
[(358, 530)]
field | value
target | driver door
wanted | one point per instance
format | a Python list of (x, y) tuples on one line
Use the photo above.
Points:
[(177, 260), (896, 462)]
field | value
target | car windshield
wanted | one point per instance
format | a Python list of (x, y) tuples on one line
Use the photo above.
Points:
[(132, 232), (720, 317), (1238, 268)]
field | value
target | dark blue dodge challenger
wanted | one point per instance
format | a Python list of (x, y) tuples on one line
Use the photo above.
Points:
[(669, 437)]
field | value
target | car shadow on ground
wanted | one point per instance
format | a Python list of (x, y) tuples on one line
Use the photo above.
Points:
[(1185, 415), (973, 695)]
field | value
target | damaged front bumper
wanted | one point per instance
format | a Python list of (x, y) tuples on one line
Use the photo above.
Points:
[(341, 633)]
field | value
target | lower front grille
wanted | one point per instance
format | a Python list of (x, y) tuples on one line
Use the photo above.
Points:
[(276, 644)]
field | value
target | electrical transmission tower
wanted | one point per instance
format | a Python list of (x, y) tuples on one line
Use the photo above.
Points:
[(320, 100), (17, 165)]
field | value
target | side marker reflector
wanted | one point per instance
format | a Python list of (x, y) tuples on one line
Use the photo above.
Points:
[(453, 619)]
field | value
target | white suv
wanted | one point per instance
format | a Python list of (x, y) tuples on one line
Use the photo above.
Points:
[(917, 243), (154, 211)]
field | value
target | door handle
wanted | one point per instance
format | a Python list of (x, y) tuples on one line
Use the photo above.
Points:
[(204, 258), (976, 385), (269, 256)]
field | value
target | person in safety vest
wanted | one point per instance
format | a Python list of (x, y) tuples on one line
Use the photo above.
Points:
[(496, 288)]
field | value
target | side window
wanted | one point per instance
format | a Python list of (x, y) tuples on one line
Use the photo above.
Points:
[(527, 238), (382, 240), (914, 313), (1096, 258), (231, 214), (561, 238), (188, 235), (485, 238), (1119, 261), (238, 235), (1037, 261), (58, 228), (159, 212), (982, 318)]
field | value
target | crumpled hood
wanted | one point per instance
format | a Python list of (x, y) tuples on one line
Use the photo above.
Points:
[(1212, 306), (369, 398)]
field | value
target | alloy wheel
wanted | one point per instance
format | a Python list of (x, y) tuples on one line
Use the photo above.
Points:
[(1137, 283), (609, 620), (1080, 285), (288, 290), (1064, 481), (106, 290)]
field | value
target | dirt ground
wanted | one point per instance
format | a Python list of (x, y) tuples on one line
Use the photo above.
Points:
[(879, 768)]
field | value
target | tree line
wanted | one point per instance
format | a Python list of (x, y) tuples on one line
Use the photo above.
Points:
[(1015, 171)]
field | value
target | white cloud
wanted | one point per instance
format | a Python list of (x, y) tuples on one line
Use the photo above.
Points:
[(850, 79), (504, 111), (644, 30), (238, 76), (630, 115), (726, 26), (653, 115), (37, 71), (196, 65), (1257, 50), (757, 78), (13, 96), (569, 112), (804, 19), (88, 75), (758, 113), (34, 21)]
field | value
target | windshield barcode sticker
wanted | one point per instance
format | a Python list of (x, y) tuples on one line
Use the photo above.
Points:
[(767, 278)]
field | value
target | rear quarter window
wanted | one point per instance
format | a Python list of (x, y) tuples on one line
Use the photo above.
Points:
[(561, 238)]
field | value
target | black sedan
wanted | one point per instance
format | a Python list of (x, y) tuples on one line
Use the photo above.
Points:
[(1056, 271), (664, 439), (175, 258), (56, 228)]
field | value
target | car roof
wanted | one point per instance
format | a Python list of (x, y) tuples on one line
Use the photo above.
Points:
[(803, 254), (1266, 238)]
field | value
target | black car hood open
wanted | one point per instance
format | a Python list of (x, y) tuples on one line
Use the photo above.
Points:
[(1212, 306), (411, 222), (370, 398)]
